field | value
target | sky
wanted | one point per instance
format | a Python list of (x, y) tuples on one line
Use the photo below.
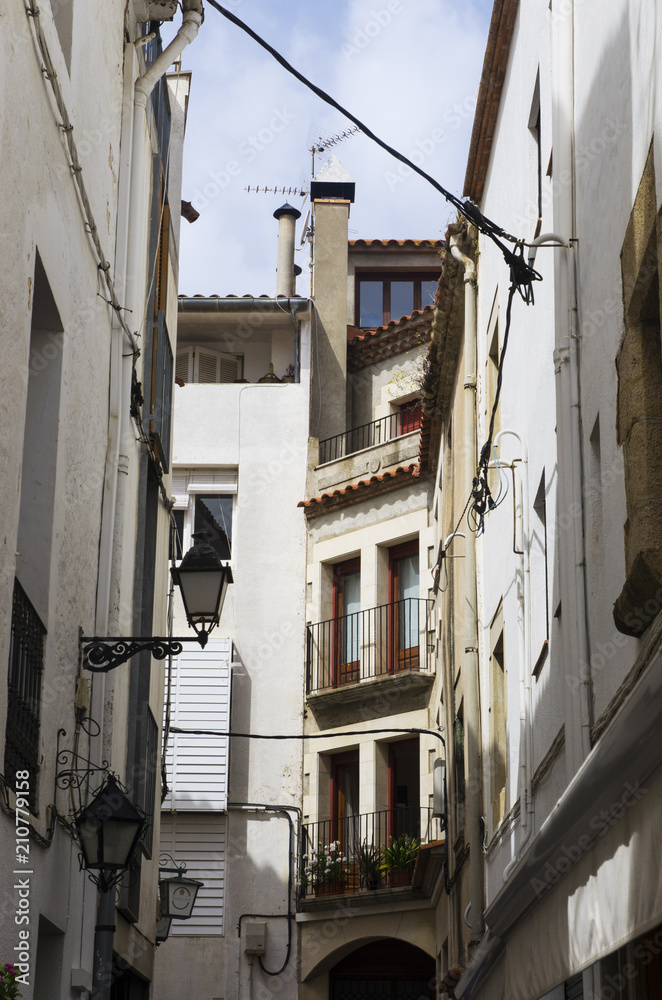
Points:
[(409, 69)]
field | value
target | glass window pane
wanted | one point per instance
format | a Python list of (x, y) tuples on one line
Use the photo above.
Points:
[(402, 299), (371, 303), (213, 514), (428, 292)]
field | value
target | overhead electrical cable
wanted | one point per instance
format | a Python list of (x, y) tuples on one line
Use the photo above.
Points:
[(522, 274)]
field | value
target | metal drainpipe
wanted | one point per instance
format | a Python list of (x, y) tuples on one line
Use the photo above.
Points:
[(474, 795)]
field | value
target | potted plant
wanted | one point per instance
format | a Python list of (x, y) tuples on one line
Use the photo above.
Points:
[(325, 870), (399, 858), (8, 988), (367, 857)]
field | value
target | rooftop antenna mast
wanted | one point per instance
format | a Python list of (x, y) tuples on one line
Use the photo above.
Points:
[(320, 145)]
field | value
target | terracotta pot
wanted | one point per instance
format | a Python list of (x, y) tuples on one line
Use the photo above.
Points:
[(397, 879), (336, 887)]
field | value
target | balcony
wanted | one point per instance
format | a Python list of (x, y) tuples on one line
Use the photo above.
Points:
[(343, 654), (377, 432), (367, 856)]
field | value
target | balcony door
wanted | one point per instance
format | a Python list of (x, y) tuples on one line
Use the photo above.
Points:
[(405, 594), (347, 614), (404, 795), (345, 801)]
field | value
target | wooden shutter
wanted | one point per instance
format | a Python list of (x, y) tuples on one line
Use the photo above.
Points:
[(197, 766), (199, 840), (161, 276)]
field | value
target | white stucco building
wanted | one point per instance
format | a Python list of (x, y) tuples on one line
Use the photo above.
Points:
[(91, 154), (557, 742)]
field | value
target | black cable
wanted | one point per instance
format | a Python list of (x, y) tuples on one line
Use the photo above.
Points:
[(303, 736), (520, 271)]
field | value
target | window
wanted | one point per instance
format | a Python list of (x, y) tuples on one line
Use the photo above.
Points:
[(409, 417), (160, 407), (345, 800), (381, 298), (204, 502), (206, 366), (404, 796), (347, 614), (26, 665), (498, 723), (404, 623)]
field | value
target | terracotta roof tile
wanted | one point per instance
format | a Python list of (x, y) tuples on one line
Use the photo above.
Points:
[(368, 346), (401, 476), (395, 243)]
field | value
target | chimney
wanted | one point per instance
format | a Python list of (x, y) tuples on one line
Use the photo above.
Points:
[(287, 216), (331, 193)]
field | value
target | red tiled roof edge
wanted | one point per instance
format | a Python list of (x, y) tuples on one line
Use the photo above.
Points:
[(402, 476), (489, 96), (395, 243)]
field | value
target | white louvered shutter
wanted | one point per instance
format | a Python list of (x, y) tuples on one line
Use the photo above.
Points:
[(183, 367), (207, 363), (199, 840), (229, 368), (197, 766), (178, 489)]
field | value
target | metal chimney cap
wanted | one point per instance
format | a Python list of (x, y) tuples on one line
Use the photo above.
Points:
[(287, 209)]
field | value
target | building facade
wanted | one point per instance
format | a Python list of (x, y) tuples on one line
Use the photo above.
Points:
[(88, 292)]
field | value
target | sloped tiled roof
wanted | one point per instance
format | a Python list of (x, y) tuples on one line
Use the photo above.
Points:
[(367, 346), (365, 488)]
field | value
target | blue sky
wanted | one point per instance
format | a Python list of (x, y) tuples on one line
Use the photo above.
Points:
[(408, 68)]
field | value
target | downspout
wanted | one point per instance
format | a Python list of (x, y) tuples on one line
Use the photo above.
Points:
[(570, 500), (474, 795)]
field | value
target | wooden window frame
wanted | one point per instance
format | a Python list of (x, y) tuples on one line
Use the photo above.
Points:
[(343, 673), (398, 659), (386, 276)]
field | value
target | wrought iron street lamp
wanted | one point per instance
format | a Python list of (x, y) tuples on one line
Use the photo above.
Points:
[(203, 580), (108, 830), (178, 894)]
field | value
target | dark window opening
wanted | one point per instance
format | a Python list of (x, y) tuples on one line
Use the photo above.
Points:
[(213, 514)]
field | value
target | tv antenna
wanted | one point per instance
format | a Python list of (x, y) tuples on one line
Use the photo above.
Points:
[(299, 191)]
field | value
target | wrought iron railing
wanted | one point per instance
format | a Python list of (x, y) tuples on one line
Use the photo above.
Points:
[(364, 852), (26, 664), (368, 435), (368, 644)]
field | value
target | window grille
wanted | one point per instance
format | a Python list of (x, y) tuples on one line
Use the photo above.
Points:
[(26, 665)]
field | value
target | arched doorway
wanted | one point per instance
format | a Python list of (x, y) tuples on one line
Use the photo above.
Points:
[(383, 970)]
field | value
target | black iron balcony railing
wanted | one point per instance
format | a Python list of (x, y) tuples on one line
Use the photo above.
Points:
[(367, 644), (26, 664), (368, 435), (364, 852)]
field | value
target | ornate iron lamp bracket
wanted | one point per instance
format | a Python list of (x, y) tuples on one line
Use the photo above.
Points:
[(103, 654)]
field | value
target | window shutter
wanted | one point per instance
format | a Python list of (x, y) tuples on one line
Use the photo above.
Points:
[(183, 366), (197, 766), (229, 368), (178, 489), (162, 379), (207, 364), (199, 841)]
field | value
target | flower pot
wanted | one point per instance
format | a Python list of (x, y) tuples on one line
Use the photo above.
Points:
[(397, 879), (334, 887)]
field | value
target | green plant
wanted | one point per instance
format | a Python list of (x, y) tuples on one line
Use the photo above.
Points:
[(326, 864), (400, 854), (368, 860), (8, 988)]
